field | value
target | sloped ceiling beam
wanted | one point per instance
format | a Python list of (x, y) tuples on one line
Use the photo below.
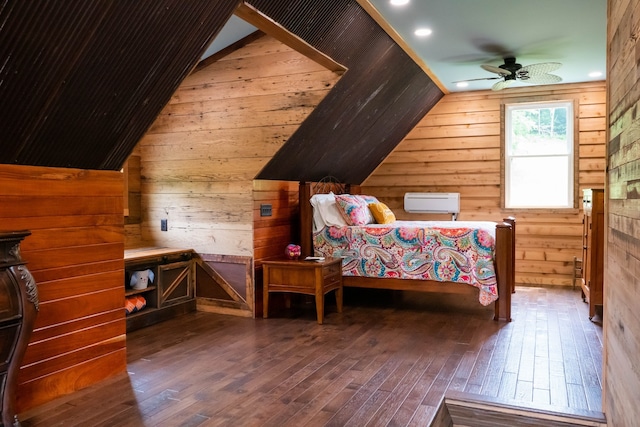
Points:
[(268, 26), (380, 98)]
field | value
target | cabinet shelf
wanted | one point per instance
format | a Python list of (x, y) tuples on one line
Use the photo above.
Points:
[(131, 292), (142, 312), (172, 291)]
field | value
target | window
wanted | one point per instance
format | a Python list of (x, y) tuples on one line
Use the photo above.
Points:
[(539, 155)]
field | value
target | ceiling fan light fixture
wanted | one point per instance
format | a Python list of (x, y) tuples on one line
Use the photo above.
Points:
[(398, 2), (595, 74), (511, 71), (462, 84)]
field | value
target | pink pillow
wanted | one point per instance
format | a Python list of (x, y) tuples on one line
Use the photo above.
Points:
[(354, 209)]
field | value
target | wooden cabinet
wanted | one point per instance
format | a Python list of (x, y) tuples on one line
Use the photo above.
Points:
[(170, 293), (303, 277), (18, 308), (593, 248)]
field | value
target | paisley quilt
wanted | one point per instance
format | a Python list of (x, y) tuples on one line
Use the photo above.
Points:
[(411, 250)]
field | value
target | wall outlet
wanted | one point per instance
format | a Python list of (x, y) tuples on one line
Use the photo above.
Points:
[(265, 209), (163, 225)]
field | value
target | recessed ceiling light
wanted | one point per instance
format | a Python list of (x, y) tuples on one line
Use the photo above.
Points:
[(398, 2), (595, 74), (462, 84), (422, 32)]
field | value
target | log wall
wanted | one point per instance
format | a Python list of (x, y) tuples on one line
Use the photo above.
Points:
[(456, 148), (224, 123), (622, 207), (75, 253)]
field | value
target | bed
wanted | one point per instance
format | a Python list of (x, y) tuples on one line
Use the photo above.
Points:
[(451, 256)]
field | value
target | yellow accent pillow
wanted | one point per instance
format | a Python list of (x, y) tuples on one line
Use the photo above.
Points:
[(382, 213)]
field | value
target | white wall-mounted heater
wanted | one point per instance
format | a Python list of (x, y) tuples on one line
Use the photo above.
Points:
[(440, 203)]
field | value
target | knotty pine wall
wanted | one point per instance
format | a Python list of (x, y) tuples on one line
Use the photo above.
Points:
[(456, 148), (622, 219), (199, 159), (75, 253)]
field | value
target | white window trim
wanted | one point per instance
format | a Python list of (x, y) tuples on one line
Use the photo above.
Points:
[(572, 127)]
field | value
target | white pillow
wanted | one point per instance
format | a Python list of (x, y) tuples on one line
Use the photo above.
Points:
[(330, 214), (318, 221)]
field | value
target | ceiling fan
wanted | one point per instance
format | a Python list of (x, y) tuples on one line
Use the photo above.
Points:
[(511, 71)]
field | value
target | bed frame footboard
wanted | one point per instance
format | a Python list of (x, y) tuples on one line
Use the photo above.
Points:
[(505, 267)]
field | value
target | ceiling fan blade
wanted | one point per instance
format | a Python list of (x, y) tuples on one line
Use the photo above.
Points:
[(540, 79), (536, 69), (502, 85), (482, 78), (497, 70)]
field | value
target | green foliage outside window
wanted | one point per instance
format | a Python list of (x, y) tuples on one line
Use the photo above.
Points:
[(539, 155), (539, 131)]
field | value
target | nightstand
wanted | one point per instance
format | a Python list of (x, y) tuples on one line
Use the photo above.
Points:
[(304, 277)]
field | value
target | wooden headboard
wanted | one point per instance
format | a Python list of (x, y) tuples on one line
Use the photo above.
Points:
[(308, 189)]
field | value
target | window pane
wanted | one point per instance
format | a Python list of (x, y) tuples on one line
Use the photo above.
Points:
[(539, 182), (538, 154), (536, 131)]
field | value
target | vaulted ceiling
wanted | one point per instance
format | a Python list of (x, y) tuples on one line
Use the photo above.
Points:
[(464, 34), (81, 81), (379, 99)]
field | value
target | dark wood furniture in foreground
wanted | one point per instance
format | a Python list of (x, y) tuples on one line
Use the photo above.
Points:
[(593, 248), (18, 308), (303, 277), (172, 290), (504, 256)]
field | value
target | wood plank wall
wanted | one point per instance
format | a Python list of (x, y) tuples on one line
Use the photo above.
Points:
[(199, 159), (622, 220), (75, 253), (456, 148), (224, 123), (133, 213), (273, 233)]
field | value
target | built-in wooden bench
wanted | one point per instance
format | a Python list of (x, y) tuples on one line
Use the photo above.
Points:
[(171, 292)]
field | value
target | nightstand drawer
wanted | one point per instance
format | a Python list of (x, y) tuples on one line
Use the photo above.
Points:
[(332, 270)]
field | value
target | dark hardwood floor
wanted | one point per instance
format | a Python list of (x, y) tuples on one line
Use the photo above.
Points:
[(384, 361)]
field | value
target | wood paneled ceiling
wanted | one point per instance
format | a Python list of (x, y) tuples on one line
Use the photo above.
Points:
[(82, 80)]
